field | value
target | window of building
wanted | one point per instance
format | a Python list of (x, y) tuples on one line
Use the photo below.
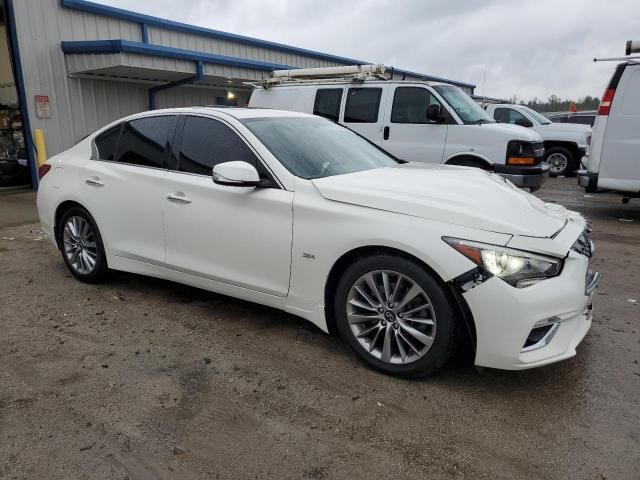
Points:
[(327, 103), (147, 141), (362, 105), (410, 105), (107, 143)]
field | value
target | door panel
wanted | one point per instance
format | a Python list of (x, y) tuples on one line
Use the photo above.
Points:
[(410, 135), (363, 112), (123, 187), (227, 234)]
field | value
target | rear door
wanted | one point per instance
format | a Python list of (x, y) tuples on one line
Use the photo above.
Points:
[(224, 233), (407, 132), (621, 151), (362, 113), (123, 186)]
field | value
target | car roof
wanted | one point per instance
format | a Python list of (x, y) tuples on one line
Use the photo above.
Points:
[(236, 112)]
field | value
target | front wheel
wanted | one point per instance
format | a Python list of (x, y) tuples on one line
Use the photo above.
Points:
[(560, 161), (395, 315)]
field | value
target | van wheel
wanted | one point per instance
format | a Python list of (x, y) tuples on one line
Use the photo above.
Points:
[(81, 246), (396, 316), (560, 161)]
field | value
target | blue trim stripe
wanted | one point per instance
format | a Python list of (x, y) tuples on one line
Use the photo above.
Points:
[(98, 9), (22, 95), (127, 46), (122, 14)]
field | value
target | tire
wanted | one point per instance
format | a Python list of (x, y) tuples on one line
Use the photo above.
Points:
[(388, 341), (560, 160), (81, 246)]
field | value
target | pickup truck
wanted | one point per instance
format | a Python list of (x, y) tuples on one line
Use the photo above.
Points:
[(564, 144)]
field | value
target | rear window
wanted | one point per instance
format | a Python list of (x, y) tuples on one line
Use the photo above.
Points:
[(327, 103), (362, 105), (107, 142), (147, 141)]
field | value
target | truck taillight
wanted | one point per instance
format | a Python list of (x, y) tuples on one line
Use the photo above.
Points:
[(43, 169), (605, 103)]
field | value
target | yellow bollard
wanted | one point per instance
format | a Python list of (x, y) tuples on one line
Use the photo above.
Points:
[(41, 146)]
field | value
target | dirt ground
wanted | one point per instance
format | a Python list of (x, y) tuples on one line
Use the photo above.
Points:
[(145, 379)]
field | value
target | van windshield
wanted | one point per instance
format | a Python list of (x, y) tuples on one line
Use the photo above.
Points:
[(538, 117), (466, 108), (316, 148)]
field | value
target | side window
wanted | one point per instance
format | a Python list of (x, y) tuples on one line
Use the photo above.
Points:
[(146, 141), (410, 105), (207, 142), (107, 142), (362, 105), (507, 115), (327, 103)]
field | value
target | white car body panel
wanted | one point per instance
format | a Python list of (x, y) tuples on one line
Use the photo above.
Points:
[(277, 247)]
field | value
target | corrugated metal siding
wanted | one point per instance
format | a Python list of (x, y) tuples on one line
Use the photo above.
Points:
[(78, 107)]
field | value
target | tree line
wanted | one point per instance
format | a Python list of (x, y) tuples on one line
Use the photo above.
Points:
[(557, 104)]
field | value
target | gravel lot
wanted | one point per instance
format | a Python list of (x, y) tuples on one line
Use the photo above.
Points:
[(145, 379)]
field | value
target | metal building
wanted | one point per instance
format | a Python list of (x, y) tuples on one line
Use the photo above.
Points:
[(77, 65)]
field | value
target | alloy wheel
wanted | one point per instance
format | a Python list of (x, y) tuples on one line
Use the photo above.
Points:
[(558, 163), (80, 246), (391, 317)]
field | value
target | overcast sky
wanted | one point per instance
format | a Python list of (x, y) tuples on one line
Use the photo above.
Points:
[(528, 48)]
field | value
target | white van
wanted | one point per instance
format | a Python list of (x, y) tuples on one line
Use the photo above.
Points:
[(415, 121), (613, 162), (564, 144)]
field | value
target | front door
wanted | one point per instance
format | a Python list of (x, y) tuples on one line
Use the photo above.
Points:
[(408, 134), (223, 233)]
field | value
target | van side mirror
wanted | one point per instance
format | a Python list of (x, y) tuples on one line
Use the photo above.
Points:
[(434, 113), (524, 122), (235, 174)]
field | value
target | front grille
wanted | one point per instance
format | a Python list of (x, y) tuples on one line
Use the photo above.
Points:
[(583, 245)]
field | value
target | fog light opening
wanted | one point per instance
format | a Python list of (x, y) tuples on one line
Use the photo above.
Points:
[(541, 334)]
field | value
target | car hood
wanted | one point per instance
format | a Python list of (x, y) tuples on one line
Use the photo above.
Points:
[(459, 195), (567, 130), (512, 132)]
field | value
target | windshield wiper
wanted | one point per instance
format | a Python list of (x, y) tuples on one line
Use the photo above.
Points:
[(480, 121)]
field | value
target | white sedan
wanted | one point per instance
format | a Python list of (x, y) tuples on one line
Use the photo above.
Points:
[(293, 211)]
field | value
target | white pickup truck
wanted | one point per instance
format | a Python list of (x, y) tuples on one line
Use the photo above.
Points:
[(565, 144)]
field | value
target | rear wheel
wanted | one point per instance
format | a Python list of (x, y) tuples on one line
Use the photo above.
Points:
[(81, 245), (560, 160), (395, 315)]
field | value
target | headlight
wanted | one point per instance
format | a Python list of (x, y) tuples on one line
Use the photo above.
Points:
[(517, 268), (520, 152)]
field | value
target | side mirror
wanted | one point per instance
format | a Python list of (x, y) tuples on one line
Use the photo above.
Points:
[(236, 174), (434, 113), (524, 122)]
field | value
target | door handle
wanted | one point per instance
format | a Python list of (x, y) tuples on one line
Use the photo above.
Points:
[(385, 133), (94, 181), (178, 197)]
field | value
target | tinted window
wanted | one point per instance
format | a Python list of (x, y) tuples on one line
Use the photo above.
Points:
[(107, 142), (328, 103), (146, 141), (507, 115), (410, 105), (582, 119), (207, 142), (362, 105)]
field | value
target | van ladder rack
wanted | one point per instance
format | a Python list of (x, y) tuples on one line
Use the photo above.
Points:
[(354, 73)]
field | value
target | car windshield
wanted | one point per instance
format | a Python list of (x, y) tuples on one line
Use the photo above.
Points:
[(466, 108), (315, 147), (538, 117)]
